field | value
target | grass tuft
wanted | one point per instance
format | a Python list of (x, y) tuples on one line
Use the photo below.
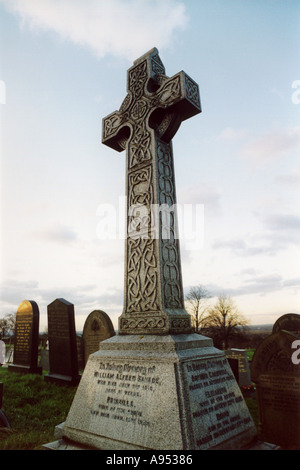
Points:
[(33, 408)]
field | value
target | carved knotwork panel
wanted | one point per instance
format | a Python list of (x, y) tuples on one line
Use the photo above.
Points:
[(180, 323), (142, 323), (112, 124), (142, 286), (139, 147), (157, 67), (171, 267), (140, 187), (140, 199), (192, 91), (138, 77)]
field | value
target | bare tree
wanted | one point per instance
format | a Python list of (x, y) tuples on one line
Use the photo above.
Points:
[(223, 320), (196, 304)]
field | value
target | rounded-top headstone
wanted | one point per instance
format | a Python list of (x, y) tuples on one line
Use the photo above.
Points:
[(288, 322), (274, 355), (277, 378), (26, 338), (98, 327)]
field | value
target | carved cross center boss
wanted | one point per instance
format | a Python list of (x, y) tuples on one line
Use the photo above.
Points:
[(149, 117)]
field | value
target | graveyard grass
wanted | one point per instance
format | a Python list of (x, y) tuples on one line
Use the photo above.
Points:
[(33, 409)]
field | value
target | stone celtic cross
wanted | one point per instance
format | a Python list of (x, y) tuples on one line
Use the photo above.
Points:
[(149, 117)]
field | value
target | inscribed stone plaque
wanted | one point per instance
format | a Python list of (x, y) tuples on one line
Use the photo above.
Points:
[(277, 379), (244, 370), (215, 402), (98, 327), (120, 391), (62, 343), (26, 339)]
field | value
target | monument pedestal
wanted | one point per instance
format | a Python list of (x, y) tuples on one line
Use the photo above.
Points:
[(159, 392)]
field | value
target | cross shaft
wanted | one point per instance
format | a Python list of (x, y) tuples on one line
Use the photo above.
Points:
[(149, 117)]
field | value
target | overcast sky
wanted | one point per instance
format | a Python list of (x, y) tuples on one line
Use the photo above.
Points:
[(63, 68)]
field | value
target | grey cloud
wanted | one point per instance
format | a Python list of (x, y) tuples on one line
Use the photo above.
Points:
[(282, 222), (273, 144), (280, 232), (290, 179), (240, 247), (115, 297), (13, 292), (105, 27), (248, 271), (259, 285), (292, 282), (60, 234), (203, 193), (83, 297)]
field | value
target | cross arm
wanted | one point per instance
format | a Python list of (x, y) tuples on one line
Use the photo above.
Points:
[(190, 104), (175, 101), (182, 94), (115, 131)]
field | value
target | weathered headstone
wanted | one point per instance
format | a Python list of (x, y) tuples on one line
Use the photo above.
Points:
[(289, 322), (277, 380), (2, 352), (9, 355), (234, 364), (80, 351), (244, 370), (155, 385), (97, 327), (63, 360), (26, 339), (44, 359)]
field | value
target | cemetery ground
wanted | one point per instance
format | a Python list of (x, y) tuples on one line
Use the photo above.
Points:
[(34, 407)]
